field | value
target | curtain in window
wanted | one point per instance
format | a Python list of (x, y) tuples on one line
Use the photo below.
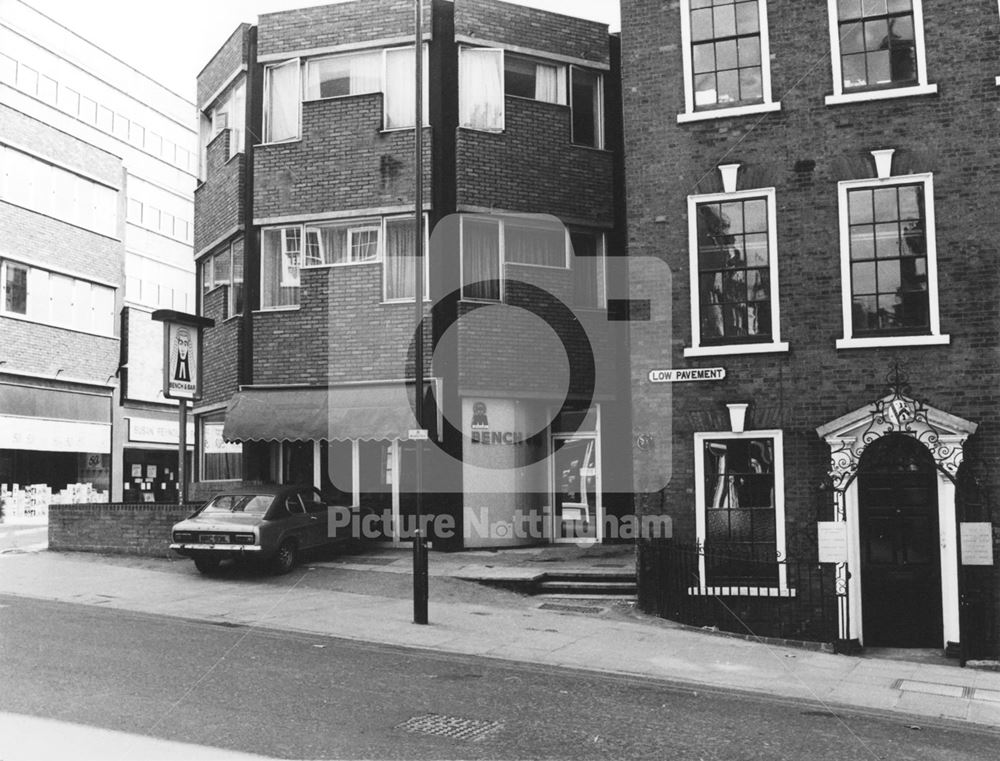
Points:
[(400, 257), (535, 244), (366, 73), (547, 83), (279, 285), (480, 259), (588, 269), (480, 89), (281, 116), (400, 77), (221, 461)]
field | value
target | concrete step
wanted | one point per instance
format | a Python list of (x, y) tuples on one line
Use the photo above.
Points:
[(590, 587)]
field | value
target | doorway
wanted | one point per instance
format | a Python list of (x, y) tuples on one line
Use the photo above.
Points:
[(900, 544), (576, 489)]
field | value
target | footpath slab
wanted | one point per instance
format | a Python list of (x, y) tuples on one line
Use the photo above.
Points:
[(513, 629)]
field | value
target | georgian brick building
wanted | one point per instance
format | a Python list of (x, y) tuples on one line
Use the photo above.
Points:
[(819, 179), (304, 235)]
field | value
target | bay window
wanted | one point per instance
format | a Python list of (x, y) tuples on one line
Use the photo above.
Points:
[(224, 268)]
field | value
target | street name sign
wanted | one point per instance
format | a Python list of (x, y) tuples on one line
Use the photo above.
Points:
[(689, 374)]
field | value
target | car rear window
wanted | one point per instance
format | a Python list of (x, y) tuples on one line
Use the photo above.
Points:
[(251, 504)]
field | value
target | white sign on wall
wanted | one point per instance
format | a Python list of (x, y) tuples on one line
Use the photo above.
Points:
[(687, 374), (977, 543), (831, 539), (156, 431)]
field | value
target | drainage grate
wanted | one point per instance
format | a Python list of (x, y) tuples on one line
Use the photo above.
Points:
[(570, 608), (454, 727)]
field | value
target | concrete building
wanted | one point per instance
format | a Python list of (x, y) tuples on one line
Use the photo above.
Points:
[(305, 241), (99, 171), (819, 179)]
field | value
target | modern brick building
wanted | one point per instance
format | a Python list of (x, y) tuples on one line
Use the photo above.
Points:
[(818, 182), (96, 229), (305, 240)]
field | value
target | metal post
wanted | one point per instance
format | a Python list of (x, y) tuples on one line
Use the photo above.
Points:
[(420, 582), (182, 453)]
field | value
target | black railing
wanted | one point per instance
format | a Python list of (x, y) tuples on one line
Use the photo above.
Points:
[(784, 599)]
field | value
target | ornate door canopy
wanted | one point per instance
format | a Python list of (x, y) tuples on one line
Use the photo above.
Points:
[(848, 436)]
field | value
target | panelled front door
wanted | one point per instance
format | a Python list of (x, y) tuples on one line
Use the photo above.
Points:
[(576, 489), (900, 554)]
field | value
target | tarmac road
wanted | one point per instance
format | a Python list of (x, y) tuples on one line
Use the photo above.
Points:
[(294, 695)]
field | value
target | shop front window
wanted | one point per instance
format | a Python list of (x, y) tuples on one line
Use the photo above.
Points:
[(221, 460)]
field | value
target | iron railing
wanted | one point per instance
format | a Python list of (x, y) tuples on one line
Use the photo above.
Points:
[(778, 598)]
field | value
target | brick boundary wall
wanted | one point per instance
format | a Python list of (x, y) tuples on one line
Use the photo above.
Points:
[(118, 529)]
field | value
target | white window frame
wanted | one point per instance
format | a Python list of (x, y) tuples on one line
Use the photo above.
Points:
[(4, 265), (599, 117), (921, 88), (934, 335), (297, 89), (775, 344), (769, 104), (383, 258), (503, 88), (777, 436), (353, 227)]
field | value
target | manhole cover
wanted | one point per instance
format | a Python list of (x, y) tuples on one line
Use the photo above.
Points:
[(454, 727), (570, 608)]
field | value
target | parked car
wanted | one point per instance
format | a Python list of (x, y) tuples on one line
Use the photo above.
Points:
[(271, 524)]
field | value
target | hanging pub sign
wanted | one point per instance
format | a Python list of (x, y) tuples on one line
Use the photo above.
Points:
[(181, 353)]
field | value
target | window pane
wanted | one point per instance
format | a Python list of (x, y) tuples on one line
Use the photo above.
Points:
[(281, 109), (535, 244), (519, 76), (364, 244), (747, 18), (15, 288), (587, 116), (400, 259), (588, 268), (280, 257), (481, 104), (400, 83), (480, 259), (344, 75)]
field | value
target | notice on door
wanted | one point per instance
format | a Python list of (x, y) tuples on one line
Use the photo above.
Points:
[(977, 543), (831, 539)]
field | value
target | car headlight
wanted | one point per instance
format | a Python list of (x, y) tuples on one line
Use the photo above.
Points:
[(243, 538)]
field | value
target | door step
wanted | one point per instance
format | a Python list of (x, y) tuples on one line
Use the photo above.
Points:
[(590, 583)]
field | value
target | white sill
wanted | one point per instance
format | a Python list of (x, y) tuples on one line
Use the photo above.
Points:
[(739, 591), (280, 142), (333, 265), (877, 341), (998, 81), (553, 267), (721, 351), (397, 302), (722, 113), (267, 310), (869, 95)]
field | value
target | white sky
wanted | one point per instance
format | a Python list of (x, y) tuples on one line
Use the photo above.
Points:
[(171, 41)]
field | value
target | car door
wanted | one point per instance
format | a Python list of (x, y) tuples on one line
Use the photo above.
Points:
[(298, 524), (318, 526)]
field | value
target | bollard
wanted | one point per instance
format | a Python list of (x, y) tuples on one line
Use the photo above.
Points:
[(419, 578)]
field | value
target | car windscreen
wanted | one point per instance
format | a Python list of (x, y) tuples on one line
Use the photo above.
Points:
[(250, 504)]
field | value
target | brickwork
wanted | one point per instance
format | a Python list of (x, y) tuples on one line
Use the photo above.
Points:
[(343, 161), (53, 144), (529, 28), (30, 347), (532, 166), (221, 348), (230, 57), (115, 529), (218, 201), (803, 151), (327, 26)]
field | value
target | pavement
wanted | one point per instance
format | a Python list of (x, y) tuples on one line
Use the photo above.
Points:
[(366, 597)]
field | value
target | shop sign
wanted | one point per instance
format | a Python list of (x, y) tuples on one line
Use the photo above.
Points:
[(977, 543), (482, 433), (832, 541), (54, 435), (690, 374), (156, 431)]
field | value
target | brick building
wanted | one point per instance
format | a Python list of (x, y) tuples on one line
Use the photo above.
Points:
[(96, 214), (843, 153), (305, 240)]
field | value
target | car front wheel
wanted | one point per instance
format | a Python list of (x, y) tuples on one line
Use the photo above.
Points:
[(207, 565), (285, 559)]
